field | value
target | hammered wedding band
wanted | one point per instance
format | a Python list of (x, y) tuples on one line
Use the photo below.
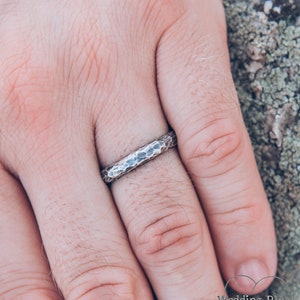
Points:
[(139, 157)]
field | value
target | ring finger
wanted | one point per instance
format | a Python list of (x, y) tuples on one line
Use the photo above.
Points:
[(157, 202)]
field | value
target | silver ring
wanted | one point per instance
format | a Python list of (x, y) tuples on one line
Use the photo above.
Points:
[(139, 157)]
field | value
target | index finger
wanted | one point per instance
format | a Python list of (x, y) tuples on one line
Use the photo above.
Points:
[(200, 102)]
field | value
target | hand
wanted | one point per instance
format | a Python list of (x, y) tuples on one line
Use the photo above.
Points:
[(83, 83)]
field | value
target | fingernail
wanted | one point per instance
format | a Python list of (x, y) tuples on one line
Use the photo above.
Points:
[(252, 276)]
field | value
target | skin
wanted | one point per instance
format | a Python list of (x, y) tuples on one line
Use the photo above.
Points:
[(83, 83)]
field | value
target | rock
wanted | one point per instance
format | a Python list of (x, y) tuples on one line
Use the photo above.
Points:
[(268, 5), (264, 42)]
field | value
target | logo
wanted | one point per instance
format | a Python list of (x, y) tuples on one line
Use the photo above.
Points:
[(280, 290)]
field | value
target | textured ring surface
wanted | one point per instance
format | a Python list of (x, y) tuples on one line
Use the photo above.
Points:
[(139, 157)]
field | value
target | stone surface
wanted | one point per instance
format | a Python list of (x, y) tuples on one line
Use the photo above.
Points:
[(264, 42)]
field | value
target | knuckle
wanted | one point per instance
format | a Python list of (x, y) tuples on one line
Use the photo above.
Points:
[(216, 145), (17, 283), (169, 238), (31, 293), (239, 215), (81, 269), (106, 282)]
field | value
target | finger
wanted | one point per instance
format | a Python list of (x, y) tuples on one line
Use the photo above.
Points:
[(85, 242), (157, 202), (200, 102), (168, 231), (24, 271), (84, 239)]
